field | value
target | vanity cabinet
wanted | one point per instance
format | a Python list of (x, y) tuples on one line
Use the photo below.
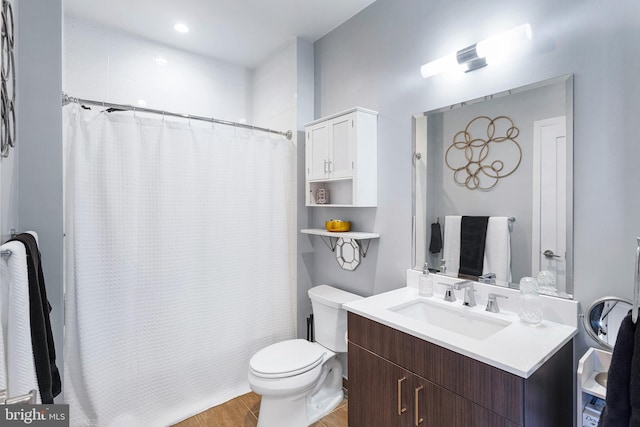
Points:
[(396, 379), (341, 157)]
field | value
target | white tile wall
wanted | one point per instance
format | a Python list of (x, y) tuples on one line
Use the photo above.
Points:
[(274, 89), (105, 64)]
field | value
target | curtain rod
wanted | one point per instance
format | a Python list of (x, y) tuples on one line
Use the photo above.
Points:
[(66, 99)]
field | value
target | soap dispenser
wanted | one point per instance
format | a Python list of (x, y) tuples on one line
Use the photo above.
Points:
[(425, 283)]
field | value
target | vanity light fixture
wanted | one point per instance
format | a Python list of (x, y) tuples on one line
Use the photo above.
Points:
[(479, 54)]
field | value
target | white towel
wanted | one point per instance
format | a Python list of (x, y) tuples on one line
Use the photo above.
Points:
[(20, 370), (451, 247), (497, 248)]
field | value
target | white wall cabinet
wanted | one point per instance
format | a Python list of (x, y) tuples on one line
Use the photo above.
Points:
[(341, 156)]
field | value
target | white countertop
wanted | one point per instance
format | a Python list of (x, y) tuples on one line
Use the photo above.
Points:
[(518, 348)]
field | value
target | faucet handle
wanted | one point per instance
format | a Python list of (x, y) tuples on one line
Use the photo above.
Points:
[(449, 295), (492, 303), (443, 266), (488, 278)]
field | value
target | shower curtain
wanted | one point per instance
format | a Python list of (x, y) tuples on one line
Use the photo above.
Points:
[(179, 253)]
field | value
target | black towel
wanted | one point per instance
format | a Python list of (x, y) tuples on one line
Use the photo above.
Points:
[(44, 352), (617, 410), (435, 245), (473, 235), (634, 383)]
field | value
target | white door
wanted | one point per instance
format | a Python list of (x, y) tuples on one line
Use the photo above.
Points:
[(342, 133), (317, 151), (550, 199)]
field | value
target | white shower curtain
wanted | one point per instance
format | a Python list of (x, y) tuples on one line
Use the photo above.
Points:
[(180, 250)]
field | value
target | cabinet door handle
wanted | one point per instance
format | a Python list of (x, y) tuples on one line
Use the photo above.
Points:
[(417, 419), (401, 409)]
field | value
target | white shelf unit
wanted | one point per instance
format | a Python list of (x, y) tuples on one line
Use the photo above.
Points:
[(591, 364), (341, 155)]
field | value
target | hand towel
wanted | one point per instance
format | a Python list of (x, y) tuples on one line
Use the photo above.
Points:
[(451, 250), (617, 410), (497, 253), (473, 235), (16, 323), (435, 245), (44, 354)]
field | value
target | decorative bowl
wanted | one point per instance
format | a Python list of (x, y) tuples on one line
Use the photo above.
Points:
[(337, 225)]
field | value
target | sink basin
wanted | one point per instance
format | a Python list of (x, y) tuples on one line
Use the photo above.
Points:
[(458, 320)]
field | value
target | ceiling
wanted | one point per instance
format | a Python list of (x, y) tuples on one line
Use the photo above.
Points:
[(243, 32)]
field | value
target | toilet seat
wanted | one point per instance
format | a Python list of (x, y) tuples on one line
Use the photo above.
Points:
[(286, 359)]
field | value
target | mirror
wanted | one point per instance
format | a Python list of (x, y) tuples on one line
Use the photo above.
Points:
[(509, 155), (602, 320)]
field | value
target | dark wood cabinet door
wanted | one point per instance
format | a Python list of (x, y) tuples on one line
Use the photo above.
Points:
[(380, 393), (438, 407)]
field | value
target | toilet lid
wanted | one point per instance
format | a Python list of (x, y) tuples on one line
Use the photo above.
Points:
[(286, 359)]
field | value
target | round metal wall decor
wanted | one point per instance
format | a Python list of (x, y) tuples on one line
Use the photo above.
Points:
[(348, 253), (484, 152), (7, 82)]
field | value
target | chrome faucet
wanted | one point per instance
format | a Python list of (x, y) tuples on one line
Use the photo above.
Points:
[(492, 304), (469, 297)]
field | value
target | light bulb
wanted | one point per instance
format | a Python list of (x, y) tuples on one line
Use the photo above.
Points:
[(499, 46), (441, 65), (181, 28)]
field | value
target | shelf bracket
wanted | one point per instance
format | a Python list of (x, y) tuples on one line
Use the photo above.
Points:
[(331, 243), (362, 249)]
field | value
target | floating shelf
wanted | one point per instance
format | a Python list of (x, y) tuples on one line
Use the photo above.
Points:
[(343, 241), (356, 235)]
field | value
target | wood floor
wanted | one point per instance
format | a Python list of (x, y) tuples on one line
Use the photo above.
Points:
[(243, 412)]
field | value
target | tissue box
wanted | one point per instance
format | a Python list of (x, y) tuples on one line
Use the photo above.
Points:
[(591, 412)]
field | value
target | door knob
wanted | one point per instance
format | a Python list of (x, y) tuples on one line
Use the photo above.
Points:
[(549, 254)]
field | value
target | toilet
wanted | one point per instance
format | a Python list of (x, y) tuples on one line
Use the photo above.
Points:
[(300, 381)]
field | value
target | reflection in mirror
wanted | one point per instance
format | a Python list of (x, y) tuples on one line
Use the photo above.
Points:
[(602, 320), (507, 155)]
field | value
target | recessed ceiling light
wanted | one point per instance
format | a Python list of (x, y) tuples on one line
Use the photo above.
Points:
[(160, 60), (181, 28)]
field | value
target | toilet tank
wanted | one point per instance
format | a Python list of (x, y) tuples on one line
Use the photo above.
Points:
[(329, 318)]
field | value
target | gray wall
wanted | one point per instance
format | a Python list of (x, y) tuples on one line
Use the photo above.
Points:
[(373, 61), (39, 183)]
